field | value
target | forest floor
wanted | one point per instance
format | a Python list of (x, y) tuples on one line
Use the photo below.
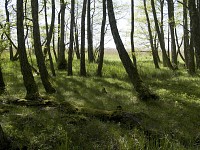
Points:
[(174, 118)]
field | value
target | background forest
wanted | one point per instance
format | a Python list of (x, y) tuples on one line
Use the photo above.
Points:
[(97, 74)]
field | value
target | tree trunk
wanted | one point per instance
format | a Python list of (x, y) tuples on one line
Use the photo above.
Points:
[(82, 65), (71, 44), (100, 65), (49, 35), (132, 33), (2, 84), (185, 31), (89, 34), (155, 60), (195, 27), (160, 37), (29, 82), (62, 63), (38, 49), (172, 31), (143, 92), (8, 27)]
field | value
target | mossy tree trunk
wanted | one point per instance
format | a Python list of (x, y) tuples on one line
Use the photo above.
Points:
[(29, 82), (38, 49), (144, 92)]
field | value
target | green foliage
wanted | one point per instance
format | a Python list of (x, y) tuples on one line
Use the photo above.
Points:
[(173, 120)]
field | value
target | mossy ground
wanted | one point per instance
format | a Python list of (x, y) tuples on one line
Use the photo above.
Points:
[(175, 116)]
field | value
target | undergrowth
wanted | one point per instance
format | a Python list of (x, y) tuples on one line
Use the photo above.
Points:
[(175, 118)]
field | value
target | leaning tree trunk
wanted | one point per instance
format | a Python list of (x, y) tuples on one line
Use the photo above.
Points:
[(155, 60), (143, 92), (100, 65), (38, 49), (82, 65), (29, 82)]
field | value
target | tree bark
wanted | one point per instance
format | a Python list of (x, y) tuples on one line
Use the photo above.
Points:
[(8, 27), (82, 65), (155, 60), (49, 33), (101, 57), (172, 31), (29, 82), (132, 33), (71, 44), (143, 92), (160, 37), (38, 49), (62, 63), (89, 34)]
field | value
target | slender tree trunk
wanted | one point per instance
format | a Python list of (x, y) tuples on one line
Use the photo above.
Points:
[(49, 33), (155, 60), (143, 92), (8, 28), (82, 65), (172, 31), (164, 58), (100, 63), (185, 31), (132, 33), (62, 63), (71, 44), (160, 37), (58, 45), (29, 82), (38, 49), (89, 34)]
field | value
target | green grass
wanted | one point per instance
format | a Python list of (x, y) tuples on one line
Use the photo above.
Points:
[(175, 118)]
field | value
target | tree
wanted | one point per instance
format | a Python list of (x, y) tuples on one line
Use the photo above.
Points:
[(8, 26), (155, 60), (29, 82), (161, 37), (62, 63), (71, 39), (172, 31), (195, 27), (143, 92), (82, 61), (132, 33), (49, 34), (101, 48), (89, 33), (38, 49)]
